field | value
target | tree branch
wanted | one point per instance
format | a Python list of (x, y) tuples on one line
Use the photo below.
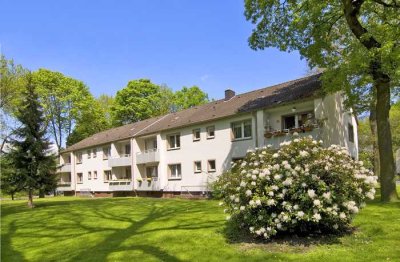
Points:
[(391, 5)]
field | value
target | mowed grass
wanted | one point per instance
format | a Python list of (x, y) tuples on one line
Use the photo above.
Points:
[(149, 229)]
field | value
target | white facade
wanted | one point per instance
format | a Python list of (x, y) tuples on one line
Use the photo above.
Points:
[(151, 162)]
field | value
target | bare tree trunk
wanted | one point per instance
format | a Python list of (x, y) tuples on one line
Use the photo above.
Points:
[(12, 196), (372, 124), (30, 198), (386, 159)]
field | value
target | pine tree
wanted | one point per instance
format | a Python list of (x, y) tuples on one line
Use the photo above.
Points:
[(30, 149)]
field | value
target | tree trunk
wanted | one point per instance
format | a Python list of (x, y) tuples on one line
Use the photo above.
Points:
[(41, 193), (12, 196), (30, 198), (372, 124), (386, 160)]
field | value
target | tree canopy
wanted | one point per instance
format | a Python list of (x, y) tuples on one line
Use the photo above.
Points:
[(357, 42), (189, 97)]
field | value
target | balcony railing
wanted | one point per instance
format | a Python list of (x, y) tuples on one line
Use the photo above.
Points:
[(121, 160), (148, 156), (64, 168), (64, 185), (120, 185), (275, 138), (148, 185)]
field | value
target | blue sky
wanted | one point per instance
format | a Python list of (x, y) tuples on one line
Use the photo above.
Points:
[(177, 43)]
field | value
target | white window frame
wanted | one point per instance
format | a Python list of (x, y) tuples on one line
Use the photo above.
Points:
[(172, 176), (242, 125), (95, 175), (106, 152), (209, 169), (208, 132), (89, 175), (89, 153), (79, 157), (195, 131), (79, 178), (107, 173), (196, 170), (175, 147)]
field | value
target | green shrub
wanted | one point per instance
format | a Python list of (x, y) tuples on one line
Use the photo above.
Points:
[(302, 187)]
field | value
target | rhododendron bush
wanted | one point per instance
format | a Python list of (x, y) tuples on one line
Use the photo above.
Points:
[(302, 187)]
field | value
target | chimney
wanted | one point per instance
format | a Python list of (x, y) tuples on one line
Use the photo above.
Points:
[(229, 93)]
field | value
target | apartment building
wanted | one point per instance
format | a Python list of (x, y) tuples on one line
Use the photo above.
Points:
[(184, 151)]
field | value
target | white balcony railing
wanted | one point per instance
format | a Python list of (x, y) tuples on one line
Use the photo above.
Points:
[(121, 160), (146, 185), (120, 185), (148, 156), (64, 168)]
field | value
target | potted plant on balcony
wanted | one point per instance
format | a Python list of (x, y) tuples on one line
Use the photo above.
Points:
[(268, 134), (148, 180), (140, 180), (279, 133)]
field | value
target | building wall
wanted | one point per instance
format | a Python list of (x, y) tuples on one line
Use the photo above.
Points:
[(222, 148)]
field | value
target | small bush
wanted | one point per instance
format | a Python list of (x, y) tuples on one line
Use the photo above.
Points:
[(302, 187)]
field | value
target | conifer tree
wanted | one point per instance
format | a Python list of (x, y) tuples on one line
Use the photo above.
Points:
[(34, 166)]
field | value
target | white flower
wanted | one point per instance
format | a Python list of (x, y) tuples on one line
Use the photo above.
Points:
[(303, 184), (267, 172), (274, 187), (296, 140), (251, 229), (248, 192), (317, 202), (255, 172), (295, 207), (276, 155), (253, 183), (342, 215), (277, 177), (242, 208), (304, 153), (279, 226), (327, 195), (221, 203), (271, 193), (228, 217), (258, 232), (254, 177), (237, 200), (300, 213), (335, 226), (311, 193), (232, 197), (317, 217), (262, 230), (270, 202), (258, 202), (242, 184), (251, 202), (287, 182)]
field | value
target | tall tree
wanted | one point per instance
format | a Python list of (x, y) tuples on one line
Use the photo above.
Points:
[(189, 97), (65, 100), (106, 102), (139, 100), (356, 41), (29, 154)]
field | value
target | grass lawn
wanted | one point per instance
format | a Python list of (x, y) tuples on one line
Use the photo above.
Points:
[(146, 229)]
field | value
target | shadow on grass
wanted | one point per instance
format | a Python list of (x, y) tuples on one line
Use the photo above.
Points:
[(77, 221), (282, 242)]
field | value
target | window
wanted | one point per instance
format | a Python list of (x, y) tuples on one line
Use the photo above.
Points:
[(128, 173), (107, 175), (150, 144), (79, 178), (211, 166), (89, 153), (174, 141), (89, 175), (79, 158), (241, 130), (210, 132), (151, 171), (106, 152), (351, 133), (175, 171), (94, 174), (289, 122), (128, 150), (94, 152), (196, 134), (197, 166)]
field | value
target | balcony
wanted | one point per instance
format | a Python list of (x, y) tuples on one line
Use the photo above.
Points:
[(146, 185), (148, 156), (64, 168), (120, 185), (122, 160), (275, 138), (64, 186)]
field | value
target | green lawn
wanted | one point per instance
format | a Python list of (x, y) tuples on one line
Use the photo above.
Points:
[(147, 229)]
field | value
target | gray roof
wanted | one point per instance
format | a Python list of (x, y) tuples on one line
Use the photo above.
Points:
[(299, 89)]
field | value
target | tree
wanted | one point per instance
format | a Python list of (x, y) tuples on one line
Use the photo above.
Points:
[(106, 102), (9, 179), (355, 41), (139, 100), (65, 100), (30, 156), (189, 97)]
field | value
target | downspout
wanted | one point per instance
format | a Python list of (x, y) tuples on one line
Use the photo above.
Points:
[(256, 127)]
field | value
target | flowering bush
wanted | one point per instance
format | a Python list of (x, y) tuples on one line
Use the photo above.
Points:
[(302, 187)]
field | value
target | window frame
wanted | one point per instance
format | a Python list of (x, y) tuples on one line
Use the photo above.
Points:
[(94, 152), (79, 157), (170, 171), (350, 135), (175, 135), (104, 175), (195, 166), (208, 132), (194, 132), (89, 175), (89, 153), (209, 170), (95, 175), (79, 175), (241, 124), (106, 152)]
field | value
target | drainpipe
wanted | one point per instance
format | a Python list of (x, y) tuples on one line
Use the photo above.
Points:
[(256, 127)]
